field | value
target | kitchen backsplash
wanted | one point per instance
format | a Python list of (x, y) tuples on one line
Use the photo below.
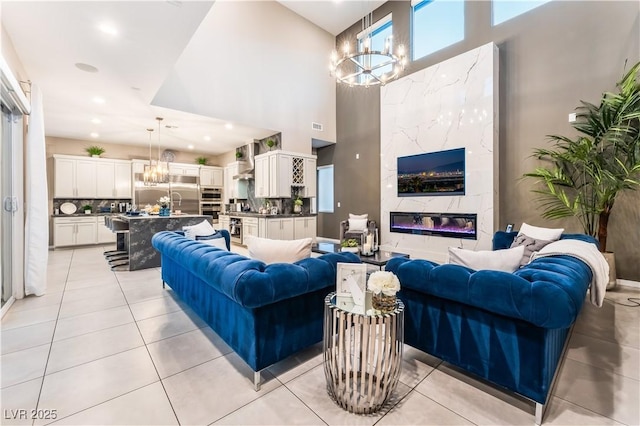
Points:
[(284, 205), (96, 205)]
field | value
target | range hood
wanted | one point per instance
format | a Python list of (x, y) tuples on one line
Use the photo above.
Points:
[(248, 154)]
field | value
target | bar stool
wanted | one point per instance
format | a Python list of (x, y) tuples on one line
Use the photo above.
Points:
[(119, 259)]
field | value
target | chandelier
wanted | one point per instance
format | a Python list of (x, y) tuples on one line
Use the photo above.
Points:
[(156, 171), (366, 66)]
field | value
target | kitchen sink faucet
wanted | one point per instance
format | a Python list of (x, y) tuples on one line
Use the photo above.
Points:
[(179, 197)]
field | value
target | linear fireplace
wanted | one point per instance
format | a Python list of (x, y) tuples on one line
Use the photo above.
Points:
[(452, 225)]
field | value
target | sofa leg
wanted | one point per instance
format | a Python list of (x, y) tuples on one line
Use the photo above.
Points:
[(256, 380), (539, 413), (163, 284)]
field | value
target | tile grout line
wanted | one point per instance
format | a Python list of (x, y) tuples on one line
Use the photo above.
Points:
[(46, 364), (146, 347)]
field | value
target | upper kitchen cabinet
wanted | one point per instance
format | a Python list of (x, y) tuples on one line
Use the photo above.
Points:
[(113, 179), (184, 169), (212, 176), (278, 171), (80, 177)]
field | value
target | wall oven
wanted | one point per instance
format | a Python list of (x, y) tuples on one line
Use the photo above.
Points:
[(211, 202)]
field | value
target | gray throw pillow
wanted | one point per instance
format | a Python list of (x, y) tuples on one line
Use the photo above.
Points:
[(531, 245)]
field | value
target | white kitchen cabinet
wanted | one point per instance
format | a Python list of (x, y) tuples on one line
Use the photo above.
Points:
[(181, 169), (304, 227), (72, 231), (105, 185), (249, 227), (280, 229), (212, 176), (262, 176), (79, 177), (310, 177), (74, 178), (223, 222), (64, 178), (276, 172)]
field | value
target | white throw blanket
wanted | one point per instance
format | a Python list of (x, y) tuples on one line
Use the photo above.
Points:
[(590, 255)]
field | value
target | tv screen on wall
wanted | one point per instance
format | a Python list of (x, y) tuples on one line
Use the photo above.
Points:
[(431, 173)]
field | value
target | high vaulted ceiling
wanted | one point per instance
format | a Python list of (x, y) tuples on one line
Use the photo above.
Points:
[(52, 37)]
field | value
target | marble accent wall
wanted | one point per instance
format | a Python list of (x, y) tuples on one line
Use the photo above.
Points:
[(450, 105)]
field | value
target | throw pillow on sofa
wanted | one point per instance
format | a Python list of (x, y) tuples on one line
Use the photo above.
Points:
[(531, 245), (201, 229), (542, 234), (358, 216), (507, 260), (215, 242), (278, 251), (357, 224)]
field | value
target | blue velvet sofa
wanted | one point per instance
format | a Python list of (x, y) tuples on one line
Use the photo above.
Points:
[(263, 312), (508, 328)]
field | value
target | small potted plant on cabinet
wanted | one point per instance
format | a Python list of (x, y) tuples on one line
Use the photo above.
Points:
[(297, 205), (87, 208), (202, 161), (271, 143), (95, 151)]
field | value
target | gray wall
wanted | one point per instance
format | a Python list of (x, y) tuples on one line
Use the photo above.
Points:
[(550, 59)]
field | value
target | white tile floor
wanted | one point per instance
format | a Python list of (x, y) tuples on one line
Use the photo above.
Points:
[(116, 348)]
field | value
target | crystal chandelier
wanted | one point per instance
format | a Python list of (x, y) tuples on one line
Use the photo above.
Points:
[(366, 66), (156, 171)]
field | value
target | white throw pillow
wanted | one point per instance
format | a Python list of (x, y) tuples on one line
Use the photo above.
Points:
[(201, 229), (216, 242), (537, 233), (278, 251), (358, 216), (507, 260), (357, 224)]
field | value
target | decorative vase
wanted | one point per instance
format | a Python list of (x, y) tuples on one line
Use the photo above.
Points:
[(297, 208), (383, 303), (164, 211)]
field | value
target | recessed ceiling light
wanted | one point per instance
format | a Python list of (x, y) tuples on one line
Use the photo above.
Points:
[(228, 126), (207, 138), (108, 29), (96, 121), (86, 67), (94, 135), (190, 146), (99, 100)]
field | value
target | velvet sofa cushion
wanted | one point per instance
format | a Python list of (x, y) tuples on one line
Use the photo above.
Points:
[(249, 282), (548, 292), (503, 240)]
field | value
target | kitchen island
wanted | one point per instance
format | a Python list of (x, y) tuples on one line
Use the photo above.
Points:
[(142, 255)]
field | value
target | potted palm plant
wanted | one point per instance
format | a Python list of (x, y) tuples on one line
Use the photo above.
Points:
[(95, 151), (581, 177)]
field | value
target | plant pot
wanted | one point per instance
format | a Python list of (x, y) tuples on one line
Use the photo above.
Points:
[(95, 156), (297, 208), (611, 260), (164, 211), (350, 249), (383, 303), (87, 212)]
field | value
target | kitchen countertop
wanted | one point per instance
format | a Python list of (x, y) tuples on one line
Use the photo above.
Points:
[(84, 215), (269, 216), (155, 216)]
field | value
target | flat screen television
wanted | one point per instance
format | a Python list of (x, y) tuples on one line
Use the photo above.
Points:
[(432, 174)]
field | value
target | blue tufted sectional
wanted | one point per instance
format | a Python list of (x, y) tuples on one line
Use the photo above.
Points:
[(264, 312), (508, 328)]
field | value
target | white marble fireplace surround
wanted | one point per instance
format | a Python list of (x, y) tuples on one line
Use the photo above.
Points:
[(450, 105)]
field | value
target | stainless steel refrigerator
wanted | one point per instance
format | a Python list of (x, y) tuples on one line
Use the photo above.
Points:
[(184, 192)]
